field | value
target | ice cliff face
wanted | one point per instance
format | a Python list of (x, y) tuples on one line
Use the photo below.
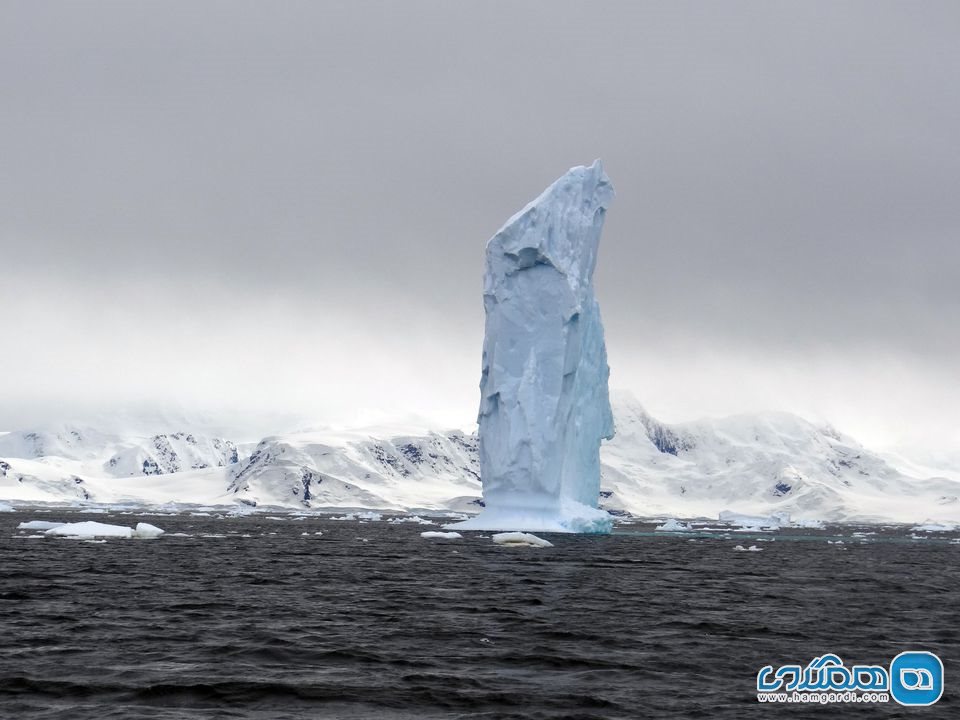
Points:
[(544, 406)]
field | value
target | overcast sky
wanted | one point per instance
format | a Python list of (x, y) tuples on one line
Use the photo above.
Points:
[(282, 207)]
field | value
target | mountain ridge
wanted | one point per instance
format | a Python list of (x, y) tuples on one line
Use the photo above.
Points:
[(756, 463)]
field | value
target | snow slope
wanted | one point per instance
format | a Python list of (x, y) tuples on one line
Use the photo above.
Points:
[(757, 464)]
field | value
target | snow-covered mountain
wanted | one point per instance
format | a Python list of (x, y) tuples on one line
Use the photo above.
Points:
[(751, 463)]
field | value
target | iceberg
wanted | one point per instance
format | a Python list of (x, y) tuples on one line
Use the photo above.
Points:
[(674, 525), (520, 539), (39, 525), (755, 522), (91, 529), (544, 402)]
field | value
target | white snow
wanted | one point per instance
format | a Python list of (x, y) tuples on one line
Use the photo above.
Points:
[(442, 535), (544, 404), (520, 539), (759, 465), (674, 525)]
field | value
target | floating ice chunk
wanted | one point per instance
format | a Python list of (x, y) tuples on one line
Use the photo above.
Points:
[(544, 404), (520, 539), (6, 508), (935, 527), (366, 515), (442, 535), (146, 530), (741, 548), (776, 520), (90, 529), (38, 525), (411, 519), (673, 525)]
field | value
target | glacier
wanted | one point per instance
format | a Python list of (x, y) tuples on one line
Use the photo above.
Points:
[(544, 402)]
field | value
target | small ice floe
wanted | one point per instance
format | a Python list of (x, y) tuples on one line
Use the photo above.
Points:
[(319, 532), (520, 539), (834, 542), (146, 530), (92, 529), (752, 548), (38, 525), (935, 527), (411, 519), (673, 525), (6, 508), (366, 515), (441, 535), (754, 522)]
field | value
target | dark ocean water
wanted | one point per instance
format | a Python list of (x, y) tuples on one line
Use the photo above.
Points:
[(369, 620)]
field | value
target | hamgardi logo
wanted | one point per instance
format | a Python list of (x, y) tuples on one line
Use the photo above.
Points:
[(914, 678)]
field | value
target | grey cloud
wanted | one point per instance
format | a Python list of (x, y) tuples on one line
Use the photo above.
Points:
[(786, 172)]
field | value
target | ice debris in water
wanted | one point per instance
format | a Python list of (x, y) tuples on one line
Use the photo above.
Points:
[(776, 520), (520, 539), (443, 535), (411, 519), (935, 527), (6, 508), (92, 529), (544, 403), (752, 548), (366, 515), (673, 525), (38, 525)]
